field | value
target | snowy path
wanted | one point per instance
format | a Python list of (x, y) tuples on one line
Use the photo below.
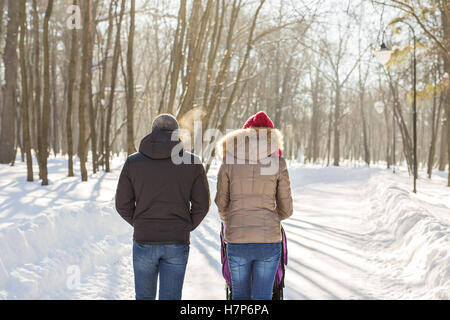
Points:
[(356, 233)]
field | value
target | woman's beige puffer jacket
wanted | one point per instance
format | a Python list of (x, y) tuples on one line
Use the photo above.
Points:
[(253, 187)]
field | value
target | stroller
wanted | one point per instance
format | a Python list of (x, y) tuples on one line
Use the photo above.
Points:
[(279, 278)]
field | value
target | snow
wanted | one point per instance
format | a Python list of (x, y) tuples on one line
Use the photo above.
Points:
[(356, 233)]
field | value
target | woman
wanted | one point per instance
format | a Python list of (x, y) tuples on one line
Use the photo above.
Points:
[(253, 196)]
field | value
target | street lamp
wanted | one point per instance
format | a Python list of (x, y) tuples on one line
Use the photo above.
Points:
[(383, 56)]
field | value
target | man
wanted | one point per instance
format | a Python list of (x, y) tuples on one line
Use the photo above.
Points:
[(164, 202)]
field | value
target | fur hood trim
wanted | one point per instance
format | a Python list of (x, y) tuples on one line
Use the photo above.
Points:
[(251, 144)]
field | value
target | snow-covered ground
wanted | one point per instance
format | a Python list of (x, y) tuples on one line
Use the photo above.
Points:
[(356, 233)]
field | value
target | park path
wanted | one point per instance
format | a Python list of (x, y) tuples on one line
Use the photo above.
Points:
[(328, 239)]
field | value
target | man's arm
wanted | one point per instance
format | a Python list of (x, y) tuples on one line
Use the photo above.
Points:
[(200, 198), (125, 197)]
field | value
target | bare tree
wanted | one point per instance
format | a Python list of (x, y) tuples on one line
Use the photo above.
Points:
[(100, 101), (90, 96), (443, 158), (438, 36), (25, 114), (224, 65), (70, 94), (44, 153), (362, 82), (131, 87), (83, 100), (334, 56), (195, 41), (435, 120), (115, 66), (177, 56), (37, 128), (230, 58), (316, 110), (8, 129)]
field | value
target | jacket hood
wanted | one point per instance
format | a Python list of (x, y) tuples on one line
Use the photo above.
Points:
[(159, 144), (251, 144)]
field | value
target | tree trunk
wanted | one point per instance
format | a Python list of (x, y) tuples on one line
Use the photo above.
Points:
[(330, 129), (389, 137), (37, 128), (241, 68), (224, 67), (101, 95), (55, 109), (8, 128), (83, 98), (448, 125), (435, 120), (444, 145), (18, 142), (131, 87), (337, 116), (195, 49), (177, 55), (25, 115), (448, 128), (92, 111), (406, 138), (2, 11), (2, 6), (70, 93), (315, 119), (362, 90), (445, 16), (230, 102), (113, 88), (46, 102), (364, 124), (214, 45)]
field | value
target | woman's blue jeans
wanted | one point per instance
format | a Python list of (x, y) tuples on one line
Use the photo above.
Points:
[(169, 261), (253, 267)]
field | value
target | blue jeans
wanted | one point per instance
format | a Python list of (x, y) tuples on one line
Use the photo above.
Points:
[(169, 261), (253, 267)]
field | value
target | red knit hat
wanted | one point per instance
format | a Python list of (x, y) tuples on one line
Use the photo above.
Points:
[(259, 120)]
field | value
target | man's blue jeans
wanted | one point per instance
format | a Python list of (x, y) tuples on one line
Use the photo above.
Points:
[(169, 261), (253, 267)]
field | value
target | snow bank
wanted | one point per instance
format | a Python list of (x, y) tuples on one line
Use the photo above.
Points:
[(41, 254), (415, 244)]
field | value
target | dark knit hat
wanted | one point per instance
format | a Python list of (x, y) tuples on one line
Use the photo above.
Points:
[(165, 122), (259, 120)]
